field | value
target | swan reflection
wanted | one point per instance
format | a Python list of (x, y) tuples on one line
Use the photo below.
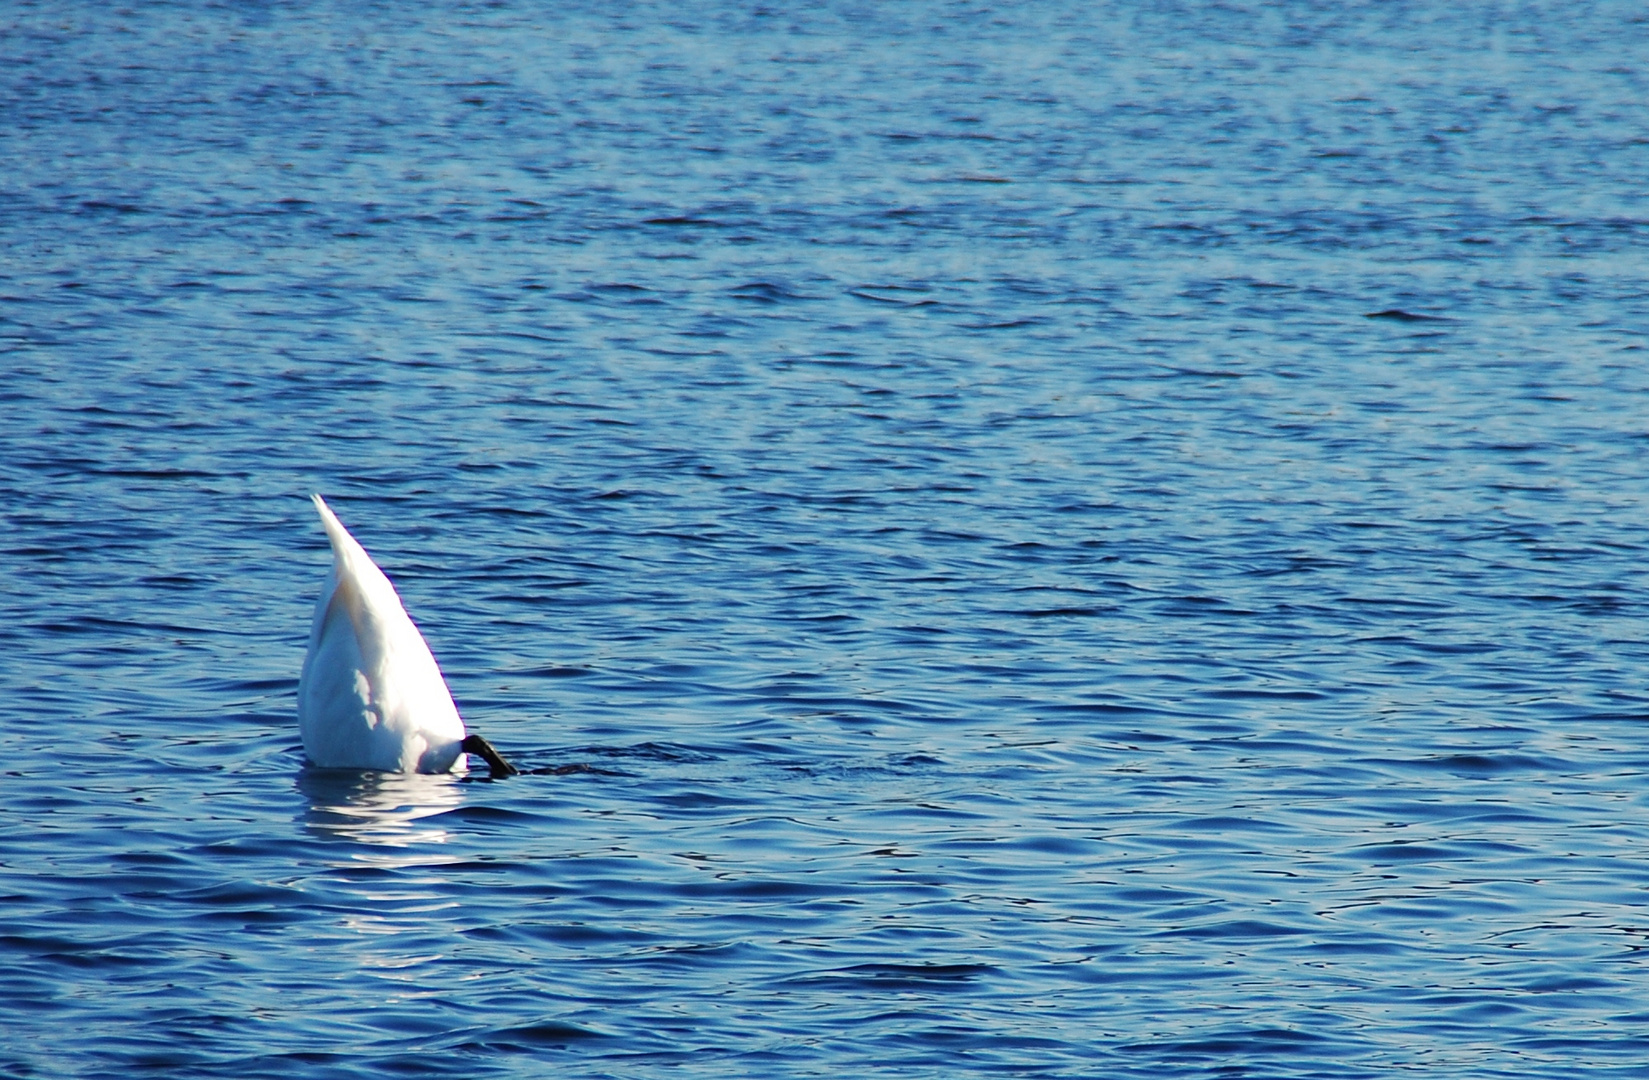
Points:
[(383, 809)]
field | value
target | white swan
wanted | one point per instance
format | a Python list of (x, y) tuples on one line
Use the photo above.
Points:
[(371, 696)]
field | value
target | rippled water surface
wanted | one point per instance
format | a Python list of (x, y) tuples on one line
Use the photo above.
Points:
[(1058, 540)]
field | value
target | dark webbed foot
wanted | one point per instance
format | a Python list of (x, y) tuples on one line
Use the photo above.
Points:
[(475, 744)]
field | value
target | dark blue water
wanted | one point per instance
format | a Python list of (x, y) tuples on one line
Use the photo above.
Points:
[(1067, 540)]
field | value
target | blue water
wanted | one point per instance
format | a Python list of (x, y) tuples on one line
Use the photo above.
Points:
[(1060, 540)]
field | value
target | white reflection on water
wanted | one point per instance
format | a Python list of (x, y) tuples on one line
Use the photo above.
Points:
[(383, 809), (389, 812)]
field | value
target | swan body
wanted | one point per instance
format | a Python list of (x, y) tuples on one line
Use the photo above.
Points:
[(371, 695)]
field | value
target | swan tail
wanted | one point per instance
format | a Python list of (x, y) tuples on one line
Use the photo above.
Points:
[(345, 548)]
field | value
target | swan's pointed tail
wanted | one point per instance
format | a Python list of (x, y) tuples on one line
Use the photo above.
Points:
[(475, 744)]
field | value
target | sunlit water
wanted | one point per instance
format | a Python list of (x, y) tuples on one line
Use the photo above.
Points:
[(920, 483)]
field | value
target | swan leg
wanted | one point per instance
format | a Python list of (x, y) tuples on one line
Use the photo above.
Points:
[(475, 744)]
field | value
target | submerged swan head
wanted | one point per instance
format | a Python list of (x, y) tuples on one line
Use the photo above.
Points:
[(371, 695)]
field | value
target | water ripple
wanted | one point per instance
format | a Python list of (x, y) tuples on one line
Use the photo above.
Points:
[(1055, 542)]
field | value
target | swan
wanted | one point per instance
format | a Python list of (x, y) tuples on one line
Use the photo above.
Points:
[(371, 695)]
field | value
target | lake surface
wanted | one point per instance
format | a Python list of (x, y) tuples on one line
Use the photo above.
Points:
[(1057, 540)]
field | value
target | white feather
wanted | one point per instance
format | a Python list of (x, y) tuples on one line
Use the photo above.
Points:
[(371, 695)]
